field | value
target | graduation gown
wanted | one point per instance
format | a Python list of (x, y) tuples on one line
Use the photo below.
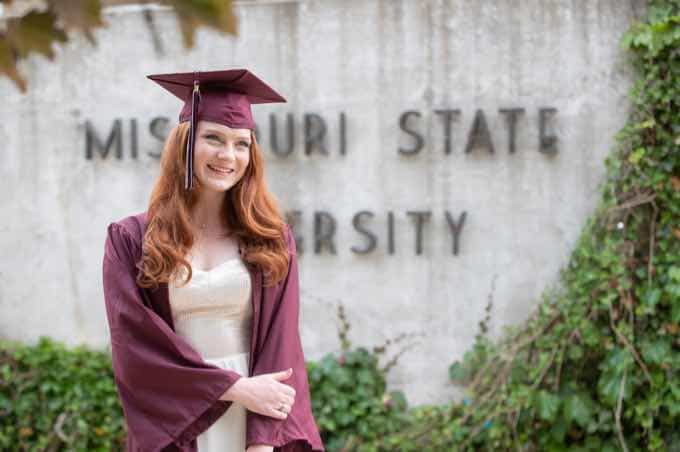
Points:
[(168, 393)]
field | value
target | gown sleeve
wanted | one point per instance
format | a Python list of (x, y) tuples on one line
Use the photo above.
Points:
[(169, 395), (282, 349)]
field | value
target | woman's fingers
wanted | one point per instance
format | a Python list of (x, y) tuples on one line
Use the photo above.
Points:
[(279, 414), (288, 400), (283, 408), (269, 396), (282, 375)]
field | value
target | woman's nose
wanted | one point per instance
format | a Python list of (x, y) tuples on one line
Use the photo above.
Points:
[(227, 152)]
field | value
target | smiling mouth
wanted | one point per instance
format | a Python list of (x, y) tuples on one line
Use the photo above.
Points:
[(221, 170)]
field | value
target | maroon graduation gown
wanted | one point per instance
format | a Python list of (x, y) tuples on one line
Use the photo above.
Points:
[(169, 394)]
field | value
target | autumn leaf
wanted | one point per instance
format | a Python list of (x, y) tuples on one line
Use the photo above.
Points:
[(34, 32), (675, 182), (188, 26), (37, 31), (672, 328), (8, 64), (83, 15), (217, 14)]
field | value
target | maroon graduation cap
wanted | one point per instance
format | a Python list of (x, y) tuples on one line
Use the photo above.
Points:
[(223, 97)]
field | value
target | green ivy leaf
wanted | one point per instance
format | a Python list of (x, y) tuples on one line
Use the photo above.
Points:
[(608, 387), (575, 352), (636, 156), (547, 405), (652, 297), (657, 351), (458, 372), (577, 409)]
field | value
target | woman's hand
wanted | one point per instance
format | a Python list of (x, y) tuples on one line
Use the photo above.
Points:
[(260, 448), (264, 394)]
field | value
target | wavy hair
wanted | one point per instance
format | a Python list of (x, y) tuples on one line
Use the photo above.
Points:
[(250, 212)]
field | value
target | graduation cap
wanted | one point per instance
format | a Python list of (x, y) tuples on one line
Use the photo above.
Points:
[(223, 97)]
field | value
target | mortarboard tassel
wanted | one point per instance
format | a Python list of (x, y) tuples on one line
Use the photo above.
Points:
[(189, 173)]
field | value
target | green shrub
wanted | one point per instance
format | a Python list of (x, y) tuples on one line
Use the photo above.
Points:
[(53, 398), (350, 400)]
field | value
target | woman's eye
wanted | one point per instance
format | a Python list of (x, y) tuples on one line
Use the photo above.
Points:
[(244, 144), (212, 137)]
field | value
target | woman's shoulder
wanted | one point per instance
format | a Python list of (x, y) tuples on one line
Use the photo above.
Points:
[(132, 226)]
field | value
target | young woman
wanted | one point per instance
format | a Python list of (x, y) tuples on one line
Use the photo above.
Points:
[(201, 290)]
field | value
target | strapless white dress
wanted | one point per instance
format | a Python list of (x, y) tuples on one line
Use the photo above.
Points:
[(213, 313)]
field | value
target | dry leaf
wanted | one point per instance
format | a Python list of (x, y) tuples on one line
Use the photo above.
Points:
[(37, 31), (34, 32), (675, 182), (217, 14), (188, 26), (672, 328), (8, 64), (83, 15)]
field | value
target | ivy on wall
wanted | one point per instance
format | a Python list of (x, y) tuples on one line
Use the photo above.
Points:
[(596, 367)]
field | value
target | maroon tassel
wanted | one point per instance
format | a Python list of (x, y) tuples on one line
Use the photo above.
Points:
[(189, 173)]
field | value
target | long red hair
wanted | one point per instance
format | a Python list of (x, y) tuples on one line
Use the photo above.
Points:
[(250, 213)]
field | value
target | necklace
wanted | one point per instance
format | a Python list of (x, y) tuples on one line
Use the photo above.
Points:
[(203, 229)]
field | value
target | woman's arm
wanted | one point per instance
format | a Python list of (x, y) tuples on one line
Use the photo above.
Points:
[(281, 349), (169, 394)]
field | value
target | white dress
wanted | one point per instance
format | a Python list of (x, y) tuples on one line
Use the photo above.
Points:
[(213, 313)]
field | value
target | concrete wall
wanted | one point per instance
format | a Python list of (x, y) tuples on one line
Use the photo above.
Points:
[(371, 61)]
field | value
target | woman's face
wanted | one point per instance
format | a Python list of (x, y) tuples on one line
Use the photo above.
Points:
[(221, 155)]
